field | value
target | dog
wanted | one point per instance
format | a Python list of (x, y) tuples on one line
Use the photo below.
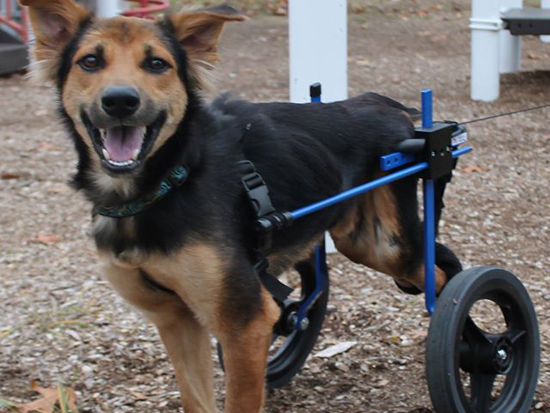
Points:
[(171, 220)]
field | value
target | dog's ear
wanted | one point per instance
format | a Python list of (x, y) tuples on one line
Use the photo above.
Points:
[(199, 31), (54, 22)]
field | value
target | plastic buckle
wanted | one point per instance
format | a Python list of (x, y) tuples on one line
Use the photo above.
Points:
[(256, 189)]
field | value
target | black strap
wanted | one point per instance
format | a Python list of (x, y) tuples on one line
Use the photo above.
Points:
[(267, 219)]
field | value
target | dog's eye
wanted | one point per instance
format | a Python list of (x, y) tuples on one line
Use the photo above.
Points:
[(89, 62), (156, 65)]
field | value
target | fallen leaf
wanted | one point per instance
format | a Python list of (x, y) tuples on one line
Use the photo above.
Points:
[(10, 175), (336, 349), (46, 239), (474, 168), (65, 397), (44, 405)]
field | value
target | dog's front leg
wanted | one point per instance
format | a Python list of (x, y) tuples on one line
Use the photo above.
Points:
[(188, 346), (185, 339), (245, 350)]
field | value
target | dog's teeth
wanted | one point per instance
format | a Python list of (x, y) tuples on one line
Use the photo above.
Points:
[(136, 154), (106, 154), (123, 163), (103, 133)]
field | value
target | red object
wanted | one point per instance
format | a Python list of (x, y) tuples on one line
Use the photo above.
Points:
[(147, 8), (21, 26)]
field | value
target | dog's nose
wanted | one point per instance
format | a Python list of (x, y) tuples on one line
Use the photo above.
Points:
[(120, 101)]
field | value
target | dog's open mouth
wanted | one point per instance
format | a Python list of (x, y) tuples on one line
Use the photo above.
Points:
[(123, 148)]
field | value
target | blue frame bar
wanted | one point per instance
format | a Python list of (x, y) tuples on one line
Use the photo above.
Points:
[(429, 213), (350, 193), (369, 186), (429, 244), (427, 109), (321, 277), (395, 160)]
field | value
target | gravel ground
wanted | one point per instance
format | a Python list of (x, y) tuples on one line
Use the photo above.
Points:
[(59, 322)]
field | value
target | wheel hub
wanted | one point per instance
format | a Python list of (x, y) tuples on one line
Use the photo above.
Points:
[(503, 351)]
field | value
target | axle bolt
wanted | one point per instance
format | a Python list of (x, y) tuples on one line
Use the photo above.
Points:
[(502, 355), (303, 325)]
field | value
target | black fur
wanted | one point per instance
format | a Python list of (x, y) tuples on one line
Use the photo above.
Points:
[(305, 153)]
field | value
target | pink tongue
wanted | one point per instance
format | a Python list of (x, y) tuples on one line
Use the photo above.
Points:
[(122, 141)]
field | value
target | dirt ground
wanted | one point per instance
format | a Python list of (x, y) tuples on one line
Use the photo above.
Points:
[(59, 322)]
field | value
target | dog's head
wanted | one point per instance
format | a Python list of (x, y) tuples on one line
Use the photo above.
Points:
[(124, 83)]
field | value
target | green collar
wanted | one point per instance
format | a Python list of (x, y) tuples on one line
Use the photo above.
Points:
[(175, 178)]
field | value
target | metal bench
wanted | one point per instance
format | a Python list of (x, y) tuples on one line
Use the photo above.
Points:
[(527, 21)]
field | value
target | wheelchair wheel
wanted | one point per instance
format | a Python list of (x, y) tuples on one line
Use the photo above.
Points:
[(472, 366), (290, 349)]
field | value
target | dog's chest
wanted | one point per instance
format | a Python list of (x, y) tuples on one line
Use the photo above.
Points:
[(195, 273), (109, 230)]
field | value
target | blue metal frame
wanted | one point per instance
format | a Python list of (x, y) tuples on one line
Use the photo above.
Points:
[(388, 162), (429, 213), (321, 277)]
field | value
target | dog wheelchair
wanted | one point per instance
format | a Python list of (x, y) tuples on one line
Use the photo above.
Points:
[(456, 346)]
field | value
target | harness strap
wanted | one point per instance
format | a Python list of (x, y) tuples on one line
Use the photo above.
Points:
[(267, 219)]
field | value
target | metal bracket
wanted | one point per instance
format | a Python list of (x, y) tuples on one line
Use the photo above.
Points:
[(486, 24)]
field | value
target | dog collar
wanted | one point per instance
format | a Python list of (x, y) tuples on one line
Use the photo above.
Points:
[(175, 178)]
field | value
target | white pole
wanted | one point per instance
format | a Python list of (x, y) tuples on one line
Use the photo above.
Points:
[(510, 46), (545, 4), (485, 25), (318, 48), (318, 43), (107, 8)]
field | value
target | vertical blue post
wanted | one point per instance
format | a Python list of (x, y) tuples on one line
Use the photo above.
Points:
[(429, 213), (315, 92), (321, 270), (427, 108)]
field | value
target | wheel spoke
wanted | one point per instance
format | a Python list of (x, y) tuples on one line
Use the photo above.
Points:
[(515, 335), (482, 387), (473, 334)]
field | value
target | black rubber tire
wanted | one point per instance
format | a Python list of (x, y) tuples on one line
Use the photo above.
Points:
[(290, 357), (449, 323)]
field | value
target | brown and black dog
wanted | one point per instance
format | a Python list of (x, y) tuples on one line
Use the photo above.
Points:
[(130, 96)]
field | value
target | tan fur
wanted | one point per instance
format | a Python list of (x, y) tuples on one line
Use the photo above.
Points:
[(366, 235), (199, 33), (186, 340), (245, 364), (125, 41), (196, 274), (54, 23)]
